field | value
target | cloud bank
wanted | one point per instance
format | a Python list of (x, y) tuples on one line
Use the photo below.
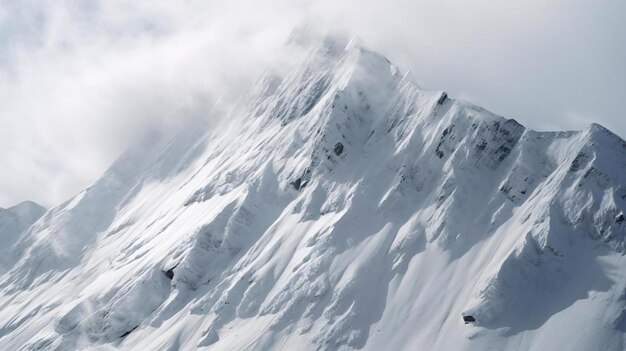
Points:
[(80, 79)]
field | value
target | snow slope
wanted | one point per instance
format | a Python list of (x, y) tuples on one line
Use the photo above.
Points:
[(338, 207), (14, 221)]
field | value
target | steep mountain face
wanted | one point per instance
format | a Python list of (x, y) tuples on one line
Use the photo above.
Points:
[(339, 207), (14, 221)]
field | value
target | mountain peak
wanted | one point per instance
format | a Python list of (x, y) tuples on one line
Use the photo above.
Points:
[(27, 204), (326, 43), (599, 132), (26, 210), (341, 209)]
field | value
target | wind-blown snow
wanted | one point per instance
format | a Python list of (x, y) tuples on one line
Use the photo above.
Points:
[(339, 207)]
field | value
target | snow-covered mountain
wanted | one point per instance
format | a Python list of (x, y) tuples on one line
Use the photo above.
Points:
[(14, 221), (338, 207)]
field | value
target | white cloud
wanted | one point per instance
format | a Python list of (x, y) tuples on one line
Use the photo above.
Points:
[(79, 79)]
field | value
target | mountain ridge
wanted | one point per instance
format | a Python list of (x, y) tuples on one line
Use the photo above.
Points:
[(341, 208)]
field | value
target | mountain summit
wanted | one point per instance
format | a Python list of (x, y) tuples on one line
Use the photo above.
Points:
[(339, 207)]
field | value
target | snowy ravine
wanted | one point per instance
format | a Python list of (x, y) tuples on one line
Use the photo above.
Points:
[(338, 207)]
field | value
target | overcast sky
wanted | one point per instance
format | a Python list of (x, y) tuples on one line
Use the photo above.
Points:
[(80, 79)]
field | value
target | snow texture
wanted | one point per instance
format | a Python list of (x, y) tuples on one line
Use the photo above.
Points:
[(338, 207)]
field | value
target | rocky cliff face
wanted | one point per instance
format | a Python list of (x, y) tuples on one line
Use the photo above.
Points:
[(339, 207)]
